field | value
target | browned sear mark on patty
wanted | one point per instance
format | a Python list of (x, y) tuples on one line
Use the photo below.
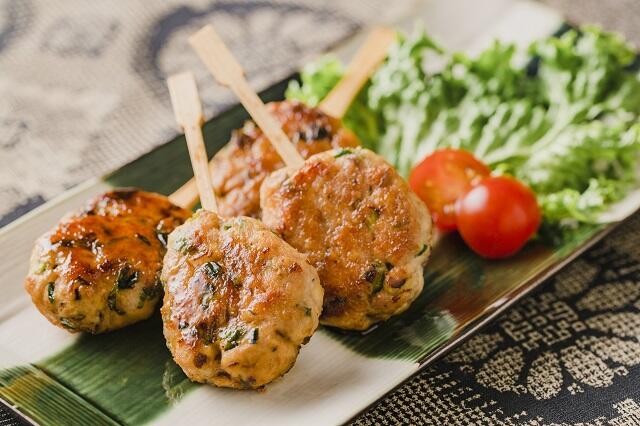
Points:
[(249, 158)]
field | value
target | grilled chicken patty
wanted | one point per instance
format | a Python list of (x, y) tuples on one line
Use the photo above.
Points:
[(238, 301), (99, 268), (364, 230), (242, 165)]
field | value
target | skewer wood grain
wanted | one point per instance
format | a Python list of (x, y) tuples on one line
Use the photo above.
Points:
[(188, 112), (363, 65), (228, 72)]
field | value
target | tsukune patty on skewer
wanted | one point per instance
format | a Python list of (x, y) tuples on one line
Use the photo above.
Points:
[(99, 268), (365, 231), (238, 301)]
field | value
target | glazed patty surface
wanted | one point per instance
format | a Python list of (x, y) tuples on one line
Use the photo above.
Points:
[(238, 301), (240, 167), (99, 268), (363, 229)]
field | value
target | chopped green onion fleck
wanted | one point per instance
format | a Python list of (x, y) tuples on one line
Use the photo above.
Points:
[(184, 246), (230, 337), (43, 267), (212, 269), (149, 293), (372, 217), (376, 275), (50, 295), (205, 300), (343, 152), (422, 250), (209, 333), (67, 324), (127, 277), (112, 301)]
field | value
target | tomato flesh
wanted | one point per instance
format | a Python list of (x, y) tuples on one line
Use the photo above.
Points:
[(497, 216), (441, 178)]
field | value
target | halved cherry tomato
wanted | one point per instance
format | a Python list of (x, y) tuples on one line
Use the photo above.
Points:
[(441, 178), (497, 216)]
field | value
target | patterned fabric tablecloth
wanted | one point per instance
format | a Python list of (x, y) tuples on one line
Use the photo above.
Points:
[(83, 92), (83, 83), (567, 355)]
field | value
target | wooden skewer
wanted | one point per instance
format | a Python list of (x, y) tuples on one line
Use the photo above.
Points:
[(186, 196), (188, 112), (363, 65), (336, 103), (228, 72)]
